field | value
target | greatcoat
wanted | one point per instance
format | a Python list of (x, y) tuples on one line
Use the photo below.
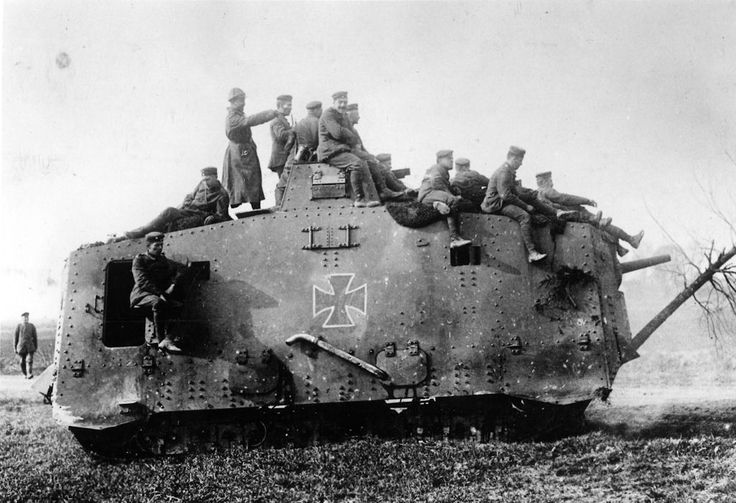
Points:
[(241, 169)]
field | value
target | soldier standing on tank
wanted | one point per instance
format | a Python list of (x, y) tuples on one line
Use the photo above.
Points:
[(283, 136), (25, 344), (241, 169), (307, 140), (547, 193), (155, 279), (436, 191), (470, 184), (378, 172), (209, 201), (336, 141), (504, 197)]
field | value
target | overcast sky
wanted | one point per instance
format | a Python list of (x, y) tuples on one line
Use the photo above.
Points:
[(109, 110)]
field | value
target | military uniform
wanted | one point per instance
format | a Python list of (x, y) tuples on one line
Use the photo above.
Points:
[(25, 344), (283, 144), (153, 276), (336, 141), (307, 136), (471, 185), (377, 170), (241, 169), (204, 205), (504, 197), (547, 193)]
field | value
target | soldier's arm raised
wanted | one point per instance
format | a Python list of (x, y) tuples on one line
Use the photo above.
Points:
[(259, 118), (568, 199)]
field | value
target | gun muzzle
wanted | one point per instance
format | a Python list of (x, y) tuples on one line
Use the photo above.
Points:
[(635, 265)]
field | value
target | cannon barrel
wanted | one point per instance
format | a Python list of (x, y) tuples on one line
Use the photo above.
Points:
[(635, 265)]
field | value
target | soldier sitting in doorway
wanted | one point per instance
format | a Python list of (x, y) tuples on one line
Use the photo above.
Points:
[(156, 280), (206, 204), (436, 191), (547, 193)]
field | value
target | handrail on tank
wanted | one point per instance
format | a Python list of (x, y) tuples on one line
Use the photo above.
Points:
[(371, 369), (635, 265)]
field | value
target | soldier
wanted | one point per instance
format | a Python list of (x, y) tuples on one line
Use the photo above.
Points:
[(25, 343), (392, 182), (156, 278), (241, 169), (470, 184), (503, 197), (283, 136), (378, 173), (307, 139), (206, 204), (547, 193), (436, 191), (307, 132), (336, 140)]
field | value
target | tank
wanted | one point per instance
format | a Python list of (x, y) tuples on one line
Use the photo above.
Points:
[(318, 321)]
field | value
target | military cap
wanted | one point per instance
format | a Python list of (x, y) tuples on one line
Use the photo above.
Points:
[(352, 106), (154, 237), (516, 151), (234, 93), (24, 314), (444, 153), (209, 171), (340, 95), (544, 175), (383, 157), (462, 161), (285, 97), (313, 104)]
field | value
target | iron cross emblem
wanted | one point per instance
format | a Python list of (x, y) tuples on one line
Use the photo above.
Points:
[(339, 301)]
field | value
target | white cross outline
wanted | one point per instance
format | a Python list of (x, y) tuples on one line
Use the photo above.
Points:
[(331, 309)]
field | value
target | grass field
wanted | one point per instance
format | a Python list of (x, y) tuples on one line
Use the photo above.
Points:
[(680, 453)]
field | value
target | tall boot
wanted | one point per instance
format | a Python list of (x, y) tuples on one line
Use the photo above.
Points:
[(619, 233), (30, 370), (356, 183), (384, 193), (454, 227)]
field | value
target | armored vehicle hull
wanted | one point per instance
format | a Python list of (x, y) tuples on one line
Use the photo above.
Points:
[(323, 320)]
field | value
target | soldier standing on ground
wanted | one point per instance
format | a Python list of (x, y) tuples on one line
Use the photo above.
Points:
[(547, 193), (241, 169), (155, 279), (25, 343), (336, 140), (436, 191), (504, 197), (208, 201), (470, 184)]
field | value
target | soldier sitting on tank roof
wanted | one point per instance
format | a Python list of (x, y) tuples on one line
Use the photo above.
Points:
[(336, 141), (547, 193), (155, 279), (436, 191), (504, 197), (470, 184), (206, 204), (378, 172), (392, 182)]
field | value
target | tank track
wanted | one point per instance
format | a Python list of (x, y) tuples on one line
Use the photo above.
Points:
[(476, 418)]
